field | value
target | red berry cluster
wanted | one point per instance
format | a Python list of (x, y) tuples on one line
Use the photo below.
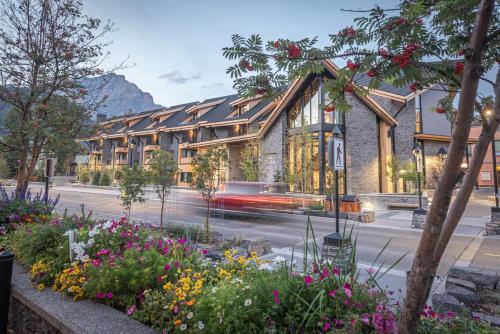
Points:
[(82, 91), (383, 52), (459, 67), (294, 51), (440, 110), (349, 32), (276, 44), (404, 59), (261, 91), (330, 108), (419, 21), (414, 86), (352, 66), (246, 65), (372, 73), (349, 89)]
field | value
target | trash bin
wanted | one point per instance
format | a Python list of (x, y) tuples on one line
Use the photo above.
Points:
[(350, 203), (6, 263)]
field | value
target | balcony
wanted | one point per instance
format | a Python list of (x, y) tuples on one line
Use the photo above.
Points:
[(151, 148), (121, 162), (121, 150), (96, 152), (186, 160)]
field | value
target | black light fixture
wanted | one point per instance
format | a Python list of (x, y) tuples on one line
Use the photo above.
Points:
[(442, 153), (416, 149)]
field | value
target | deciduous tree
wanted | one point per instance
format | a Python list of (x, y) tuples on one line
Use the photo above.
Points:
[(446, 45), (164, 171), (132, 183)]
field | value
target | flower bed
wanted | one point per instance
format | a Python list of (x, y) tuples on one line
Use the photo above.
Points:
[(169, 284)]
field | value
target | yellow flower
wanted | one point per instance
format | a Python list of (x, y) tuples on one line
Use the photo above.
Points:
[(168, 286), (191, 302), (177, 322), (40, 287)]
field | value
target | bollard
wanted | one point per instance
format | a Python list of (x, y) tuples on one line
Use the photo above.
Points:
[(6, 263)]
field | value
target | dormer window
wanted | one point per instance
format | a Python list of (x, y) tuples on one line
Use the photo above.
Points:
[(243, 109)]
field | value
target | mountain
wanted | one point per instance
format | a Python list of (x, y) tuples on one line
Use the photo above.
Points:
[(122, 96)]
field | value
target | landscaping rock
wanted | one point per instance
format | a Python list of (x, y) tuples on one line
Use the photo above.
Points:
[(482, 278), (215, 255), (463, 295), (493, 320), (367, 217), (261, 246), (453, 281), (445, 303)]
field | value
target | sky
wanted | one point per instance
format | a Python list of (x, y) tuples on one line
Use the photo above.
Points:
[(174, 47)]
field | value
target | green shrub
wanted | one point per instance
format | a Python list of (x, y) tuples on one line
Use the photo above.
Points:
[(96, 178), (104, 180)]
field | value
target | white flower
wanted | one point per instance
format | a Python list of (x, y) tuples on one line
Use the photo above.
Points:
[(279, 260), (248, 302), (201, 325), (265, 266), (215, 289), (189, 315), (183, 327)]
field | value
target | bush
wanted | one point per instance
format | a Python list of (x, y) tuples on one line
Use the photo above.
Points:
[(104, 179), (31, 209), (96, 178)]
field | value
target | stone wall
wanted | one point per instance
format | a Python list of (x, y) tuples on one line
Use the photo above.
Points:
[(361, 148), (234, 172), (48, 312), (271, 150)]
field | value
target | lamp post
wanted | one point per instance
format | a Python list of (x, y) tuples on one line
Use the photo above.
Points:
[(442, 153), (419, 213), (495, 179)]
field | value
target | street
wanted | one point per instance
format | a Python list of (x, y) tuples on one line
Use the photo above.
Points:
[(286, 232)]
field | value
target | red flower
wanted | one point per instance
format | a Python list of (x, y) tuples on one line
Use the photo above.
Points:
[(276, 44), (459, 67), (349, 89), (372, 73), (440, 110), (330, 108), (414, 86), (294, 51), (352, 66), (383, 52)]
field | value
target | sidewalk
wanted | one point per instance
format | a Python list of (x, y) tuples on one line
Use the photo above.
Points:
[(488, 255)]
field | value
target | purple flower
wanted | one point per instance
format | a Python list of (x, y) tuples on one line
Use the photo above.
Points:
[(326, 326), (336, 271), (100, 295), (365, 319), (182, 241), (96, 262), (131, 310), (166, 268), (384, 324), (109, 295), (276, 295), (451, 314)]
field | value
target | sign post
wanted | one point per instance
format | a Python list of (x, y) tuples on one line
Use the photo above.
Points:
[(49, 172)]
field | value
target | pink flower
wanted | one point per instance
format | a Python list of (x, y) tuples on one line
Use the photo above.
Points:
[(100, 295), (336, 271), (166, 268), (384, 324), (451, 314), (308, 280), (176, 309), (146, 246), (109, 295), (347, 290), (176, 264), (276, 295), (324, 274), (165, 250), (332, 294), (131, 310), (326, 326), (96, 262), (365, 319), (182, 241), (204, 251)]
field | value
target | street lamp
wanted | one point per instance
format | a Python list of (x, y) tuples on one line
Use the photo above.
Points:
[(417, 152), (442, 153)]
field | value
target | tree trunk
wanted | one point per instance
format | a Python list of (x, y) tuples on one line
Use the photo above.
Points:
[(161, 213), (207, 226), (421, 276), (21, 173), (470, 179)]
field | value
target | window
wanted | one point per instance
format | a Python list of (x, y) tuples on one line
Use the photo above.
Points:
[(497, 147), (243, 109), (485, 176), (188, 153), (306, 110), (186, 177), (315, 108)]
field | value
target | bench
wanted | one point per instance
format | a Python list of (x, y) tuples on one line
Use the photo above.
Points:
[(401, 206)]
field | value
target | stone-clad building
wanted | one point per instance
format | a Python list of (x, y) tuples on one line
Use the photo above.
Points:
[(290, 134)]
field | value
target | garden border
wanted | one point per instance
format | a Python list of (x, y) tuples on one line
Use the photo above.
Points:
[(49, 312)]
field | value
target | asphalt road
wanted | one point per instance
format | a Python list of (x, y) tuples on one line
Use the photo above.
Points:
[(285, 231)]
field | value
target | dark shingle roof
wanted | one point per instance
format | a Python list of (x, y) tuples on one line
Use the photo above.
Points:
[(364, 80)]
